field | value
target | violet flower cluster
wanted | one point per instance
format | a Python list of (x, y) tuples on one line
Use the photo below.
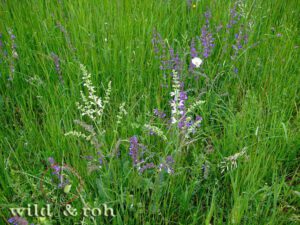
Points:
[(193, 54), (169, 59), (134, 150), (159, 114), (140, 163), (57, 172), (206, 38), (167, 165), (234, 17), (17, 220), (56, 61)]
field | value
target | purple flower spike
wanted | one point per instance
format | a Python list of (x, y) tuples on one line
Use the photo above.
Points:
[(146, 167), (234, 17), (16, 220), (134, 149), (170, 160), (159, 114), (56, 61), (207, 41), (193, 53), (51, 160)]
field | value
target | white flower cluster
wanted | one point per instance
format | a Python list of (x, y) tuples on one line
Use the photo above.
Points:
[(122, 112), (195, 106), (175, 103), (192, 128), (157, 131), (230, 162), (92, 105)]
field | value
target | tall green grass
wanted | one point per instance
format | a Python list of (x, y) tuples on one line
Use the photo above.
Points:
[(258, 108)]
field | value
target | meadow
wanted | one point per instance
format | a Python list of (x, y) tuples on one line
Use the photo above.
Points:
[(162, 111)]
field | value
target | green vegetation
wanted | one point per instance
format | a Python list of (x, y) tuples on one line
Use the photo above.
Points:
[(250, 85)]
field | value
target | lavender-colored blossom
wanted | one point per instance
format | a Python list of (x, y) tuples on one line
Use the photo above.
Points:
[(168, 165), (56, 169), (241, 40), (169, 160), (169, 60), (182, 122), (207, 16), (57, 172), (207, 41), (159, 113), (51, 160), (146, 167), (175, 62), (17, 220), (66, 35), (193, 53), (13, 45), (199, 118), (165, 167), (189, 123), (56, 61), (134, 150), (234, 17)]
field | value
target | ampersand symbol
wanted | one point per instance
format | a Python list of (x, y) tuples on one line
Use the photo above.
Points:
[(69, 211)]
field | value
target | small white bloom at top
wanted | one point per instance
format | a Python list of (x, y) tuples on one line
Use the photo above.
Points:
[(197, 62)]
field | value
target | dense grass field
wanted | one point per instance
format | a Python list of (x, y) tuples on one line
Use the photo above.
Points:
[(162, 111)]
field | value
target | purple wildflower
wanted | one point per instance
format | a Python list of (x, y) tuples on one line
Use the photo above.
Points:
[(56, 61), (207, 41), (205, 170), (146, 167), (174, 63), (66, 35), (169, 60), (234, 17), (51, 160), (56, 169), (101, 157), (182, 122), (159, 113), (57, 172), (193, 53), (241, 39), (134, 149), (169, 160), (16, 220), (13, 45), (199, 118), (207, 16), (168, 165)]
